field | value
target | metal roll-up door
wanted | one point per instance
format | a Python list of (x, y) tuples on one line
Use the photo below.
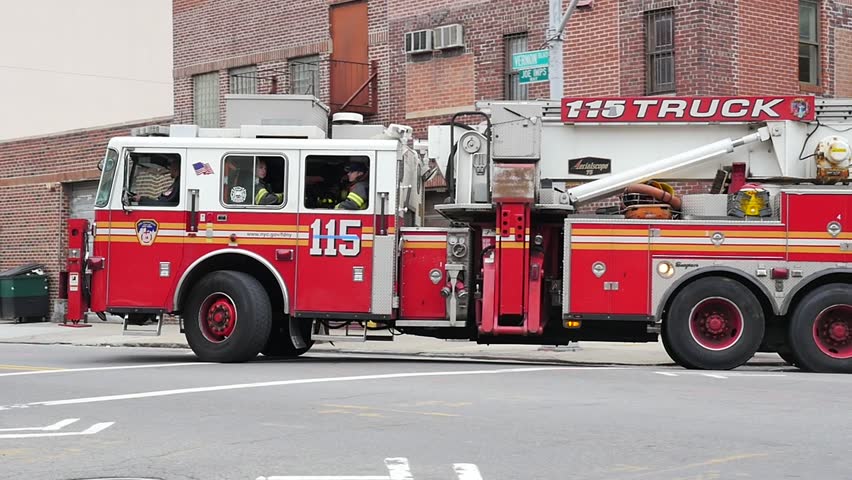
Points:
[(83, 202)]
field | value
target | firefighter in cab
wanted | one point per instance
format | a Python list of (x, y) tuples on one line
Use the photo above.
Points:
[(357, 192), (263, 194), (170, 196)]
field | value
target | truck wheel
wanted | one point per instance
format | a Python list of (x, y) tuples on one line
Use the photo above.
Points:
[(281, 345), (228, 317), (788, 357), (714, 323), (667, 344), (821, 330)]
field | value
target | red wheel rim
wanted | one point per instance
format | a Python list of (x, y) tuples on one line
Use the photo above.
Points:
[(716, 323), (833, 331), (217, 317)]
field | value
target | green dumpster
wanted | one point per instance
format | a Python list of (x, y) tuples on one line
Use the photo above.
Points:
[(24, 293)]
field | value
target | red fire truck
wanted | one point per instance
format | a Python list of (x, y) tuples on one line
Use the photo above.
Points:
[(239, 232)]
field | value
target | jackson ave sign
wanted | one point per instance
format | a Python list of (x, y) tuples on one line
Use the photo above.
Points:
[(687, 109)]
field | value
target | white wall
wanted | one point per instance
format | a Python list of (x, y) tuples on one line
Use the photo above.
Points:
[(66, 65)]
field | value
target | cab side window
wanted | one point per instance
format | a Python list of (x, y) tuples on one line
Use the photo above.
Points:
[(339, 182), (154, 179), (253, 181)]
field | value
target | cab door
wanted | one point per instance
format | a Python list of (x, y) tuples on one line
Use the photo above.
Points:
[(334, 267), (147, 230)]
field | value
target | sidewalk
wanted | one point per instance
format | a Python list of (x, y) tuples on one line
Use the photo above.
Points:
[(596, 353)]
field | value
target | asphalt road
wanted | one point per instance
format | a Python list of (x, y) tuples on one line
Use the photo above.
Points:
[(77, 412)]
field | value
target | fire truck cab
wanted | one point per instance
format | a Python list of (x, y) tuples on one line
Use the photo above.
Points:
[(251, 230)]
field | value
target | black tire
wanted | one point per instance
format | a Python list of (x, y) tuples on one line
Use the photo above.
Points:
[(814, 307), (281, 345), (253, 314), (737, 340), (788, 357), (667, 345)]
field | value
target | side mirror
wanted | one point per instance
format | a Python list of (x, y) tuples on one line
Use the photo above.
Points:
[(101, 165)]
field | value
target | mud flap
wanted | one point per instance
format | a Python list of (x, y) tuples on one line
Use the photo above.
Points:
[(297, 335)]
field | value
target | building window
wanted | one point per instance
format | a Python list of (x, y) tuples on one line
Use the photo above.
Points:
[(253, 180), (206, 99), (660, 39), (243, 80), (304, 75), (808, 42), (514, 89)]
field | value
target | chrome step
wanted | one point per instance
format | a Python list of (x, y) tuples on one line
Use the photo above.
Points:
[(352, 338), (152, 330), (348, 333)]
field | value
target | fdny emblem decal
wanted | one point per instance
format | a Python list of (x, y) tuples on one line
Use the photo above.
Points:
[(238, 195), (146, 232), (800, 108)]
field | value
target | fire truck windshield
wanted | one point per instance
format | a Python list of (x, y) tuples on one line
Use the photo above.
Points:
[(107, 175)]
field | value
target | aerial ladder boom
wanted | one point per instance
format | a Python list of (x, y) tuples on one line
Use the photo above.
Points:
[(608, 185)]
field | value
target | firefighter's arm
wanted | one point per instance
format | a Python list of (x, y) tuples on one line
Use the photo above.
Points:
[(356, 199), (265, 197)]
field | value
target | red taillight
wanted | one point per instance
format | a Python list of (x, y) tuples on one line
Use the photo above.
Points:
[(95, 263), (780, 274)]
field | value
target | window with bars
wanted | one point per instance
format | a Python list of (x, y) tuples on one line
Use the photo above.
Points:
[(206, 99), (660, 39), (304, 75), (514, 90), (809, 42), (243, 80)]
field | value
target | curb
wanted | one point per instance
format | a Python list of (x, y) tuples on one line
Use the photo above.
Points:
[(101, 344), (509, 358), (534, 360), (449, 356)]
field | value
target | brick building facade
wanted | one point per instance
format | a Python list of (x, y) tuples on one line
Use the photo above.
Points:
[(716, 47), (612, 48), (41, 179)]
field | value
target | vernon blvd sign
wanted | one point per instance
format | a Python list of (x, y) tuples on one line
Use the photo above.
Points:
[(688, 109)]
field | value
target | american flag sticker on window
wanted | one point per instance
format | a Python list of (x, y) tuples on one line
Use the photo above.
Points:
[(202, 168)]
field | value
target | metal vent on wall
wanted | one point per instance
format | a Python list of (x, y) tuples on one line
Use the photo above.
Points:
[(448, 36)]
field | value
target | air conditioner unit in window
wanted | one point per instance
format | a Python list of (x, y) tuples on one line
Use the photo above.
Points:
[(448, 36), (418, 41)]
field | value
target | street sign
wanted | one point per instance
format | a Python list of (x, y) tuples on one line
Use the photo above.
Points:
[(534, 75), (533, 59)]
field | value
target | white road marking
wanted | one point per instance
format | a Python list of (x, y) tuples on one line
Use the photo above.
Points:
[(99, 369), (467, 471), (98, 427), (326, 477), (725, 376), (398, 468), (278, 383), (50, 428)]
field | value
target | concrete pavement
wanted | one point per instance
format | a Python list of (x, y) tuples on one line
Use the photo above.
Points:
[(110, 334), (78, 413)]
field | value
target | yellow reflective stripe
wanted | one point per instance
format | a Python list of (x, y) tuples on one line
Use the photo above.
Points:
[(357, 199), (260, 194)]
